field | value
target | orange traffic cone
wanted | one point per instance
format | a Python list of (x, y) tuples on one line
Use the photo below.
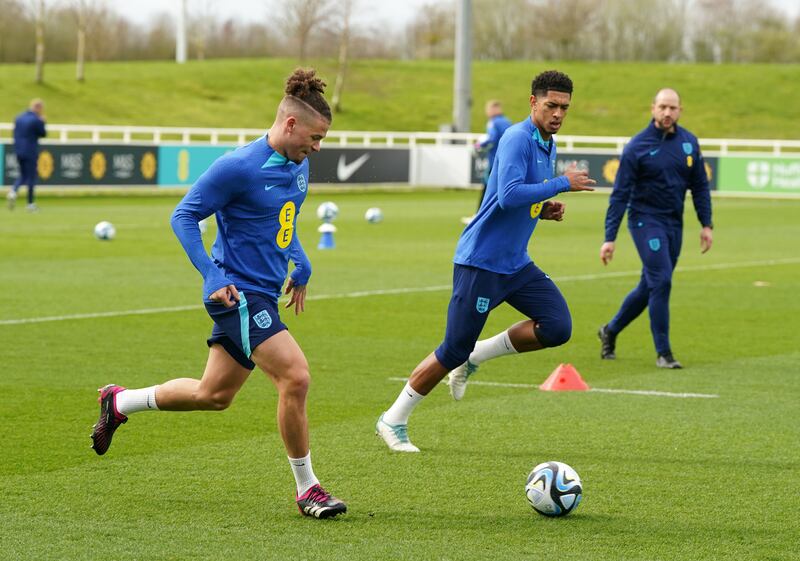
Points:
[(564, 378)]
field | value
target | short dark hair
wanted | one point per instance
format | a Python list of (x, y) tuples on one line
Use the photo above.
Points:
[(305, 86), (551, 80)]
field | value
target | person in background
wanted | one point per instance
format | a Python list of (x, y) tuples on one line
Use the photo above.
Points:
[(657, 167), (495, 127), (28, 129)]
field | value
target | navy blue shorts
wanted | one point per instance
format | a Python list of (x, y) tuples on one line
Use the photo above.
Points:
[(240, 329), (477, 291)]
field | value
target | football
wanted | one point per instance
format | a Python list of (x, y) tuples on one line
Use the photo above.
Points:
[(327, 211), (554, 489), (373, 215), (104, 231)]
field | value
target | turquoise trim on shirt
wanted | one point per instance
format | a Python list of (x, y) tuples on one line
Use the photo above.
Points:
[(244, 321), (275, 159), (538, 138)]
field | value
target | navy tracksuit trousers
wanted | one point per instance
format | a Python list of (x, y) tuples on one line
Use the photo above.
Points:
[(659, 245)]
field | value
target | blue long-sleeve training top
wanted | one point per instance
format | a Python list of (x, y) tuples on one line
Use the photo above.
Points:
[(256, 194), (28, 129), (520, 181), (655, 171), (495, 128)]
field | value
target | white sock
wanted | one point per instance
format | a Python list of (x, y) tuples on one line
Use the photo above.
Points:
[(303, 473), (131, 401), (398, 413), (492, 347)]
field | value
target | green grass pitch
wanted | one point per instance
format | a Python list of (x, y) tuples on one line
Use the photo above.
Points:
[(610, 98), (665, 478)]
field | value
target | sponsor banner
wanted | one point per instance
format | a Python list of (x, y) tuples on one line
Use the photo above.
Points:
[(182, 165), (360, 165), (760, 175), (88, 165), (601, 167), (2, 162), (480, 163)]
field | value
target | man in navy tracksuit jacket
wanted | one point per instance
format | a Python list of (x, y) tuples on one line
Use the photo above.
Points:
[(657, 167), (28, 129)]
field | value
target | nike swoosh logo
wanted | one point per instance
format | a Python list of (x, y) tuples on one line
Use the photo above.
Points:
[(268, 187), (654, 152), (345, 171)]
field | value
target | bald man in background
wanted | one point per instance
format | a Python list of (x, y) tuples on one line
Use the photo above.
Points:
[(28, 129), (657, 167)]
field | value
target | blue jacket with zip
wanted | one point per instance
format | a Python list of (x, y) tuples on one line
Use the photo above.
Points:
[(655, 171)]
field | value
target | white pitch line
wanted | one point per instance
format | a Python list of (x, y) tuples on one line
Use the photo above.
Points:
[(480, 383), (141, 312), (598, 390), (146, 311), (382, 292), (656, 393), (696, 268), (391, 291)]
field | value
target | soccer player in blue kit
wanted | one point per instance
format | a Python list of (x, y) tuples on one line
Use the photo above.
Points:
[(492, 265), (256, 192), (657, 167)]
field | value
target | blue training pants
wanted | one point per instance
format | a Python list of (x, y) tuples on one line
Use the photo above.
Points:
[(659, 246)]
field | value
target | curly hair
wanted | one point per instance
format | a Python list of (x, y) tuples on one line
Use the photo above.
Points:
[(551, 80), (305, 86)]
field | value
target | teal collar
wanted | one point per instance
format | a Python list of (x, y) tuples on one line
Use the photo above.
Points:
[(275, 159), (538, 138)]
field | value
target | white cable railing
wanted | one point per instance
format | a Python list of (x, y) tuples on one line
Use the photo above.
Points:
[(110, 134)]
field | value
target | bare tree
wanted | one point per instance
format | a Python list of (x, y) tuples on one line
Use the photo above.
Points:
[(301, 17), (201, 25), (81, 16), (559, 27), (40, 15), (738, 31), (499, 28), (15, 32), (346, 9), (86, 14), (432, 31), (160, 38)]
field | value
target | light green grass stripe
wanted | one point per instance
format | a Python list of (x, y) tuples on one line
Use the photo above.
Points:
[(410, 290)]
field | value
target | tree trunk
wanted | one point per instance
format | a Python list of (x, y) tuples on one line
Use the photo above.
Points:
[(344, 43), (40, 43), (339, 85), (79, 75), (303, 40)]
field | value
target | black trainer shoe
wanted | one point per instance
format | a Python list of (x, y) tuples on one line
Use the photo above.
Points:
[(317, 502), (667, 361), (110, 419), (608, 343)]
